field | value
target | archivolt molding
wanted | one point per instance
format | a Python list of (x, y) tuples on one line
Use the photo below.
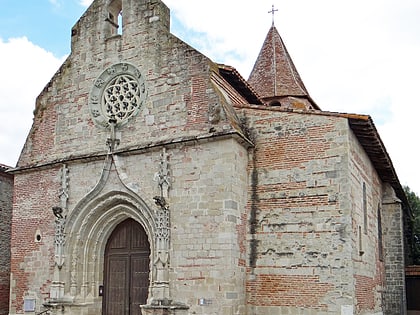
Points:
[(87, 245), (89, 226)]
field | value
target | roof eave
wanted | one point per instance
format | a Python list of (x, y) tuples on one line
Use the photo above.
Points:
[(368, 136), (233, 77)]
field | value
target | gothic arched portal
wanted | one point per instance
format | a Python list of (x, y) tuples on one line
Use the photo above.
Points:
[(126, 269)]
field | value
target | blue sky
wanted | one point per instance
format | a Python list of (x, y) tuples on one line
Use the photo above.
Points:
[(46, 23), (354, 56)]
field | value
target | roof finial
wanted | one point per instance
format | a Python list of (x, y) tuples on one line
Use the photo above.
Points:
[(272, 12)]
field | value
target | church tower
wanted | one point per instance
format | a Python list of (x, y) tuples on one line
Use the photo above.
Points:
[(275, 77)]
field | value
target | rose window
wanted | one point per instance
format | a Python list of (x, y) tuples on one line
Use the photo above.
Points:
[(121, 97), (117, 95)]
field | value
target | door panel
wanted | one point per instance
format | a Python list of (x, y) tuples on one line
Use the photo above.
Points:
[(140, 281), (126, 274), (116, 290), (139, 241), (119, 239)]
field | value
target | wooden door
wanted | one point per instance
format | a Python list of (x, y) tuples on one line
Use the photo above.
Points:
[(412, 284), (126, 274)]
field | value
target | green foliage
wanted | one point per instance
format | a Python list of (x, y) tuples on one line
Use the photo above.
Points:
[(414, 202)]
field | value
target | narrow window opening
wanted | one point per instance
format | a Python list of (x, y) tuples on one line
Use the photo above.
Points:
[(380, 241), (120, 24), (365, 215), (361, 251), (114, 18)]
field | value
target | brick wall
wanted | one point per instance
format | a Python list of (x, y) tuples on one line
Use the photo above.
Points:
[(300, 224), (179, 92), (307, 208), (33, 236), (412, 271), (366, 205), (305, 291), (6, 201)]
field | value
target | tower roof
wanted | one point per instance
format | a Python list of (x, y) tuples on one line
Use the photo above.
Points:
[(274, 75)]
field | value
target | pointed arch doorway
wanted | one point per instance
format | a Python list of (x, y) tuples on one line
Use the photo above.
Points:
[(126, 270)]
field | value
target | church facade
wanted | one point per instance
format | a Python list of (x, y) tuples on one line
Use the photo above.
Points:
[(155, 181)]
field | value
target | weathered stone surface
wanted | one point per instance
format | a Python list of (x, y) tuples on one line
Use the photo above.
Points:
[(248, 209)]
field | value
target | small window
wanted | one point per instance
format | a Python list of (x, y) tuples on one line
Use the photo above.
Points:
[(29, 305), (114, 19), (120, 23)]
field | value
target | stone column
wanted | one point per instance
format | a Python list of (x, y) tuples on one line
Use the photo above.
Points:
[(160, 289), (394, 294), (161, 302)]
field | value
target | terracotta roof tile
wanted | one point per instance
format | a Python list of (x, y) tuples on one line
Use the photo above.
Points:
[(274, 74)]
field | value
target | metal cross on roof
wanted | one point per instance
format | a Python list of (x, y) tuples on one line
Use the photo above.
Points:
[(272, 12)]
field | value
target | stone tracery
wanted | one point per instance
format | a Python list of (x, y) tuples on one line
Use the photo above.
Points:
[(119, 93), (121, 97)]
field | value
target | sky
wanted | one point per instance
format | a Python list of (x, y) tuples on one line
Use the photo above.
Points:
[(353, 56)]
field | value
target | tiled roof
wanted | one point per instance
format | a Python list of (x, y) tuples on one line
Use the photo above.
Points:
[(365, 131), (232, 76), (274, 74)]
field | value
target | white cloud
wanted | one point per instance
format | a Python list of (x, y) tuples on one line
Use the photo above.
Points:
[(85, 3), (357, 57), (26, 68), (55, 2)]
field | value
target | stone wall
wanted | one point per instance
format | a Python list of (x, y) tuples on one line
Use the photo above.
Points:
[(395, 297), (313, 228), (300, 216), (209, 220), (177, 84), (207, 200), (209, 171), (366, 205), (6, 202)]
